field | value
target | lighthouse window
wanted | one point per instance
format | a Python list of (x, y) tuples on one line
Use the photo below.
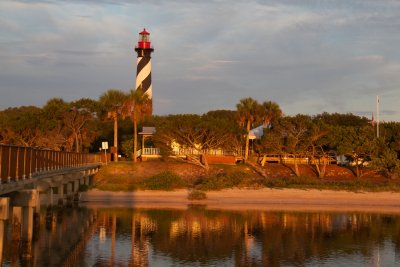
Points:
[(144, 38)]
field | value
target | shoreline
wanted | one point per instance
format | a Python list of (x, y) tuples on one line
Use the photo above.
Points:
[(264, 199)]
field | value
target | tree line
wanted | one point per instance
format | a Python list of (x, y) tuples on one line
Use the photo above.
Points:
[(116, 115), (78, 126)]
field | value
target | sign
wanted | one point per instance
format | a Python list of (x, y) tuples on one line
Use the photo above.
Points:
[(104, 145)]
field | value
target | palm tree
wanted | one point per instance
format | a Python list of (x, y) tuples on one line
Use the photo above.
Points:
[(137, 106), (249, 111), (270, 111), (112, 102)]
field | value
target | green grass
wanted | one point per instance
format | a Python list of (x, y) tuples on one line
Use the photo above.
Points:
[(222, 180), (122, 176), (164, 181)]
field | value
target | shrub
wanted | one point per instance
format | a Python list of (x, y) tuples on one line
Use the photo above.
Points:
[(237, 177), (278, 182), (164, 181), (127, 148), (197, 195)]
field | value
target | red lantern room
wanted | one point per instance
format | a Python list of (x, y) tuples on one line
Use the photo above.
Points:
[(144, 40)]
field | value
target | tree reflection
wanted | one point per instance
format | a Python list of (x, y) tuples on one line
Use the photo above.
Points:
[(198, 236), (257, 238), (271, 238)]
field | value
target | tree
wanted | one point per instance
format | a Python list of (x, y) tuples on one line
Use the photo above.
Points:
[(19, 126), (386, 157), (386, 161), (58, 125), (229, 115), (51, 123), (52, 113), (290, 135), (228, 123), (112, 103), (78, 120), (357, 143), (390, 132), (270, 112), (137, 106), (195, 135), (337, 119), (75, 120), (319, 147), (249, 111)]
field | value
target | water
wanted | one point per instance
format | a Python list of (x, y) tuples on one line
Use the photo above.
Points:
[(200, 237)]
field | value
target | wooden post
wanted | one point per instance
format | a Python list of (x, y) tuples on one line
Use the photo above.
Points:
[(50, 197), (16, 224), (1, 163), (33, 162), (60, 191), (24, 163), (113, 235), (16, 163), (1, 240), (27, 232), (4, 208), (9, 164), (47, 160)]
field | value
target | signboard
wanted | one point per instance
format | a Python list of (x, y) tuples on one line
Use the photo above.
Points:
[(104, 145)]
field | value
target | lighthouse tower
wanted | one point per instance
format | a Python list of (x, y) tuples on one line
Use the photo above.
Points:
[(143, 74)]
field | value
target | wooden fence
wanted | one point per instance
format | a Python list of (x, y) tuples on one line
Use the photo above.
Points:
[(17, 162), (212, 152), (299, 159)]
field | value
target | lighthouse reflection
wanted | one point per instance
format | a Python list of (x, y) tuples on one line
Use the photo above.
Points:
[(200, 237)]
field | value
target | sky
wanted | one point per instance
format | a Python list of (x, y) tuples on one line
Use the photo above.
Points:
[(309, 56)]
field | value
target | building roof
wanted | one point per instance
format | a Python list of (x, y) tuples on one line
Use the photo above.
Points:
[(148, 130), (144, 32), (257, 133)]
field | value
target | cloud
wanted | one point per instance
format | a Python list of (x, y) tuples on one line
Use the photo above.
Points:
[(309, 56)]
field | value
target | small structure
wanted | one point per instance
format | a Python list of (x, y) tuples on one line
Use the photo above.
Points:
[(148, 132), (257, 133)]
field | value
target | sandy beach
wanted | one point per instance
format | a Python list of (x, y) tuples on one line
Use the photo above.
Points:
[(249, 199)]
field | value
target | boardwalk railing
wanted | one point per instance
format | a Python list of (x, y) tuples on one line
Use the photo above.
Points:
[(153, 151), (19, 163), (212, 152), (148, 151), (299, 159)]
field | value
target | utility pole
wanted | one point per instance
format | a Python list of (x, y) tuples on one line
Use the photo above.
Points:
[(377, 116)]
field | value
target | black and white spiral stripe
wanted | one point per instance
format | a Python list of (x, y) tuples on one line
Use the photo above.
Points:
[(143, 76)]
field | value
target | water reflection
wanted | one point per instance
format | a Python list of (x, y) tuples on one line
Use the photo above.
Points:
[(201, 237)]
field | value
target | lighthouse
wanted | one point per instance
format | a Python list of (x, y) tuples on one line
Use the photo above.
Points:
[(143, 74)]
